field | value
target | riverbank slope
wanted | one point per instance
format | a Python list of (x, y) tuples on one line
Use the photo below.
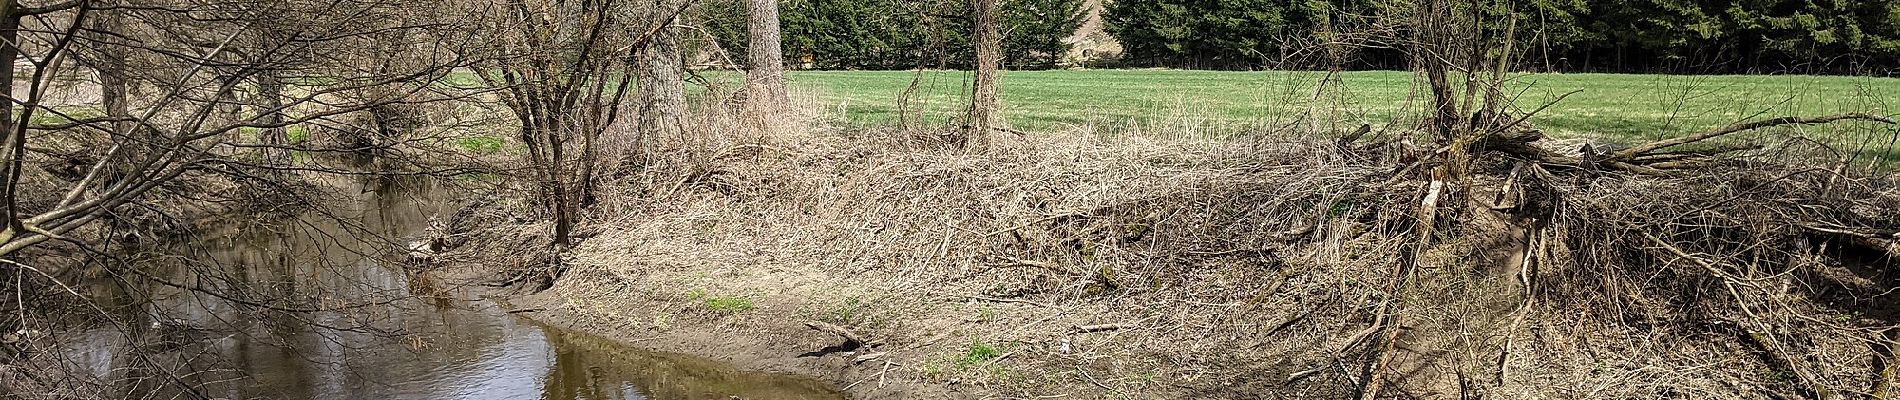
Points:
[(1084, 266)]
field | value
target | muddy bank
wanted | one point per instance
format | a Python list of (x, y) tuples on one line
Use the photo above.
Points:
[(758, 348), (1076, 268)]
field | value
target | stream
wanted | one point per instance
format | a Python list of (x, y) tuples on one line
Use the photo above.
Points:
[(229, 315)]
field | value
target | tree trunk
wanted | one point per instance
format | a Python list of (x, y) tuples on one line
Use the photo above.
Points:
[(765, 74), (984, 105), (13, 140), (273, 139), (114, 85), (1433, 36), (662, 96)]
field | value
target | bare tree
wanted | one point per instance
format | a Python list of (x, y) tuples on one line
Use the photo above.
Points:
[(557, 83), (985, 114), (565, 84), (765, 73)]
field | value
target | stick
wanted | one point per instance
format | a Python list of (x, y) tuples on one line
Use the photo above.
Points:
[(1886, 246), (997, 300), (1525, 276), (880, 374), (1100, 328), (849, 337), (1085, 374), (1527, 116), (868, 357)]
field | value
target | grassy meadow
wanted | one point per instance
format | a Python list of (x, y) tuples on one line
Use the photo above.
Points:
[(1610, 107)]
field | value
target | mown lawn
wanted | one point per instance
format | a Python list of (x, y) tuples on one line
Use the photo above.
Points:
[(1612, 107)]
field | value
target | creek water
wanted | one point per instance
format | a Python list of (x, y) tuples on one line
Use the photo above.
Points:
[(229, 315)]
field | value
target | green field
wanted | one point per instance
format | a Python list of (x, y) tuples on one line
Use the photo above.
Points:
[(1610, 107)]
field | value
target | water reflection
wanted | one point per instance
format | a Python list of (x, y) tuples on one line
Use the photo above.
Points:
[(590, 367), (229, 316)]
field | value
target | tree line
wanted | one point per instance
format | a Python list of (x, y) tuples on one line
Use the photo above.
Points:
[(1684, 36), (901, 34)]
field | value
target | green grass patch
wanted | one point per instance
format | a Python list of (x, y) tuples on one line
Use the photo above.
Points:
[(977, 353), (297, 134), (724, 304), (1615, 107), (55, 117)]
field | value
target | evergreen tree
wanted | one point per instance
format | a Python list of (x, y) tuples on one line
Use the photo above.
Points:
[(903, 34)]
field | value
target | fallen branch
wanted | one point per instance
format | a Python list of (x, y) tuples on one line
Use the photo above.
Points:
[(1650, 158), (850, 338), (1100, 328), (1887, 245), (1690, 154), (1633, 152), (868, 357), (881, 374), (1001, 300), (1346, 141)]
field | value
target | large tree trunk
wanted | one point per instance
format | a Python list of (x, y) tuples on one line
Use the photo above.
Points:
[(984, 105), (662, 96), (115, 87), (765, 74)]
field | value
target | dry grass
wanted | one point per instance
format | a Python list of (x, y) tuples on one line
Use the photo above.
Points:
[(1249, 267)]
